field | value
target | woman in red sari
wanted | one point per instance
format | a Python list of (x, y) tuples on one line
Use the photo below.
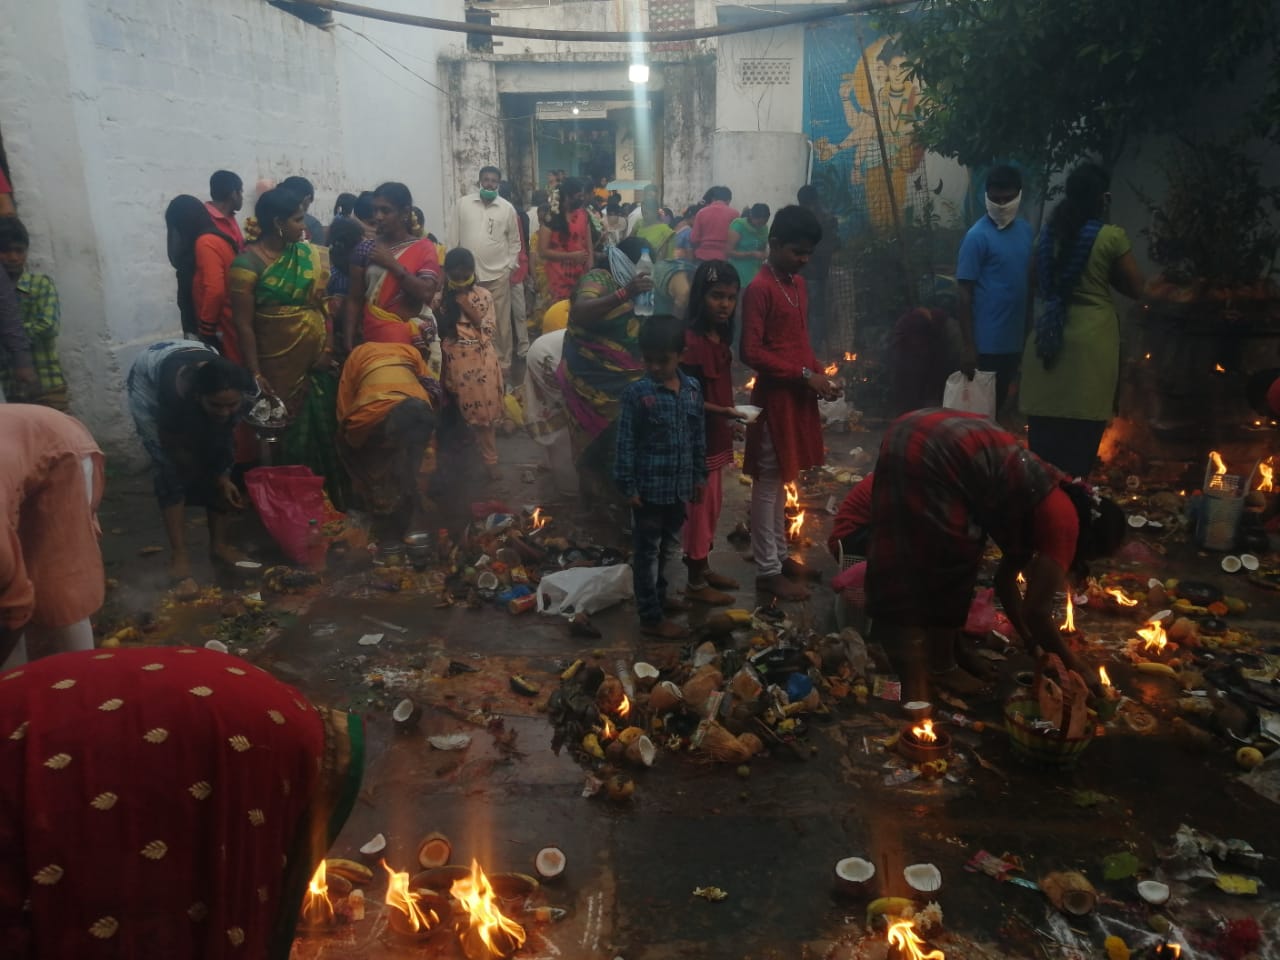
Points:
[(394, 277), (566, 242), (163, 802)]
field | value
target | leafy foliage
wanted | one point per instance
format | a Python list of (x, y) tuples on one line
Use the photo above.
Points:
[(1049, 81), (1216, 222)]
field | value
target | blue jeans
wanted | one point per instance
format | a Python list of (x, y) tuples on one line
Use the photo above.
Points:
[(655, 542)]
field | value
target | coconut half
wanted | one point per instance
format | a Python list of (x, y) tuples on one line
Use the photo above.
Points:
[(374, 846), (406, 715), (666, 696), (215, 645), (1249, 561), (435, 850), (855, 870), (646, 674), (923, 877), (1231, 564), (641, 752), (550, 862), (1153, 891)]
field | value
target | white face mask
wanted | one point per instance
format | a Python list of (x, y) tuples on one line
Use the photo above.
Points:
[(1003, 213)]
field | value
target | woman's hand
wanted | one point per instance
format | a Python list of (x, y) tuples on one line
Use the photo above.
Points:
[(640, 283), (580, 256), (326, 363), (230, 493), (383, 257), (823, 386), (264, 385)]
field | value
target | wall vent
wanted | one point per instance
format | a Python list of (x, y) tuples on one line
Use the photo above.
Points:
[(764, 71)]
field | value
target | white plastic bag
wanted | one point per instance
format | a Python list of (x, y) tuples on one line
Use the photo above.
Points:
[(972, 396), (584, 589)]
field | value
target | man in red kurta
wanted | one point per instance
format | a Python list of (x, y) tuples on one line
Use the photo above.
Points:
[(787, 437)]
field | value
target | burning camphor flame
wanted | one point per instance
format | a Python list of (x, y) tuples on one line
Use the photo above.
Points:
[(793, 503), (499, 935), (1118, 595), (903, 936), (1103, 678), (750, 384), (1069, 625), (924, 731), (850, 357), (317, 908), (1219, 368), (1219, 465), (401, 898), (831, 369), (624, 708), (1154, 635), (536, 520), (609, 731), (1266, 471)]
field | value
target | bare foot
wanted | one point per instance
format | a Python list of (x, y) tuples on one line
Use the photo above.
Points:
[(227, 554), (782, 588), (179, 567), (664, 630)]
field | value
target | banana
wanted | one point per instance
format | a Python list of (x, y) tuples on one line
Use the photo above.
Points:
[(357, 873), (1162, 669), (894, 906)]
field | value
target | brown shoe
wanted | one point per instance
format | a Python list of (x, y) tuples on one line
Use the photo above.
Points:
[(795, 570), (782, 588), (664, 630), (720, 581), (709, 595), (674, 605)]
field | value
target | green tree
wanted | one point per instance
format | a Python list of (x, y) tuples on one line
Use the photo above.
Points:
[(1049, 81)]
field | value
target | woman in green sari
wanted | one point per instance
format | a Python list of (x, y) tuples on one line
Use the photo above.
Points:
[(601, 358), (749, 242), (653, 231), (278, 290)]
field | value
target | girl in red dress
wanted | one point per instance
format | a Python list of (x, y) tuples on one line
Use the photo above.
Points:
[(708, 358), (566, 242)]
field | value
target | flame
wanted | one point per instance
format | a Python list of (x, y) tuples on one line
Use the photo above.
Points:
[(499, 935), (750, 384), (317, 908), (1103, 678), (624, 708), (1219, 368), (793, 504), (1116, 594), (1154, 636), (1069, 625), (831, 369), (537, 520), (1266, 470), (401, 898), (903, 936), (609, 731), (924, 732), (1219, 467), (1022, 580), (850, 357)]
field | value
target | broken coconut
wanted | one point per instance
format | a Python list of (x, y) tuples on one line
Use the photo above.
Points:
[(646, 674), (550, 862), (435, 850), (855, 874), (666, 697), (641, 752), (610, 695), (1154, 892), (923, 877), (699, 688), (374, 847), (406, 715)]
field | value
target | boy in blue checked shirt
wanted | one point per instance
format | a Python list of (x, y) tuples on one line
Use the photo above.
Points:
[(660, 466)]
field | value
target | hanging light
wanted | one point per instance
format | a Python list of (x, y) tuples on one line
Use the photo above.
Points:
[(638, 73)]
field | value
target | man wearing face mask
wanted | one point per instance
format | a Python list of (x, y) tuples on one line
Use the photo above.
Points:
[(486, 224), (993, 273)]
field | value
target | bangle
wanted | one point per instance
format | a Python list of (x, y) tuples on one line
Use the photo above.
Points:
[(621, 294)]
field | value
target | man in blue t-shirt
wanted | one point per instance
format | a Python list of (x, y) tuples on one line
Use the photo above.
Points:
[(993, 272)]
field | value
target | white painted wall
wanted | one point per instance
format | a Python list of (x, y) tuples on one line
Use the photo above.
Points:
[(759, 107), (111, 107)]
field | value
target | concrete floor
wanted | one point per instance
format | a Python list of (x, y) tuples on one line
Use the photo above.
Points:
[(769, 840)]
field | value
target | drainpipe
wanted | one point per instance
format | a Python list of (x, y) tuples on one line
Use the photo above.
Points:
[(808, 176)]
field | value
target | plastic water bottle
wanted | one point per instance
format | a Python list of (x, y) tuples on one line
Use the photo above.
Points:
[(644, 301)]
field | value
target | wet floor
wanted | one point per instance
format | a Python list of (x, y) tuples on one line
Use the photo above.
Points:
[(769, 838)]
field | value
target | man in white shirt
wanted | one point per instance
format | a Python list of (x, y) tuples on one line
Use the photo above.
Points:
[(486, 225)]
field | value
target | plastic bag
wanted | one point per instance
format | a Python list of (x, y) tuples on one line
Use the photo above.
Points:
[(972, 396), (288, 499), (584, 589), (982, 618)]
